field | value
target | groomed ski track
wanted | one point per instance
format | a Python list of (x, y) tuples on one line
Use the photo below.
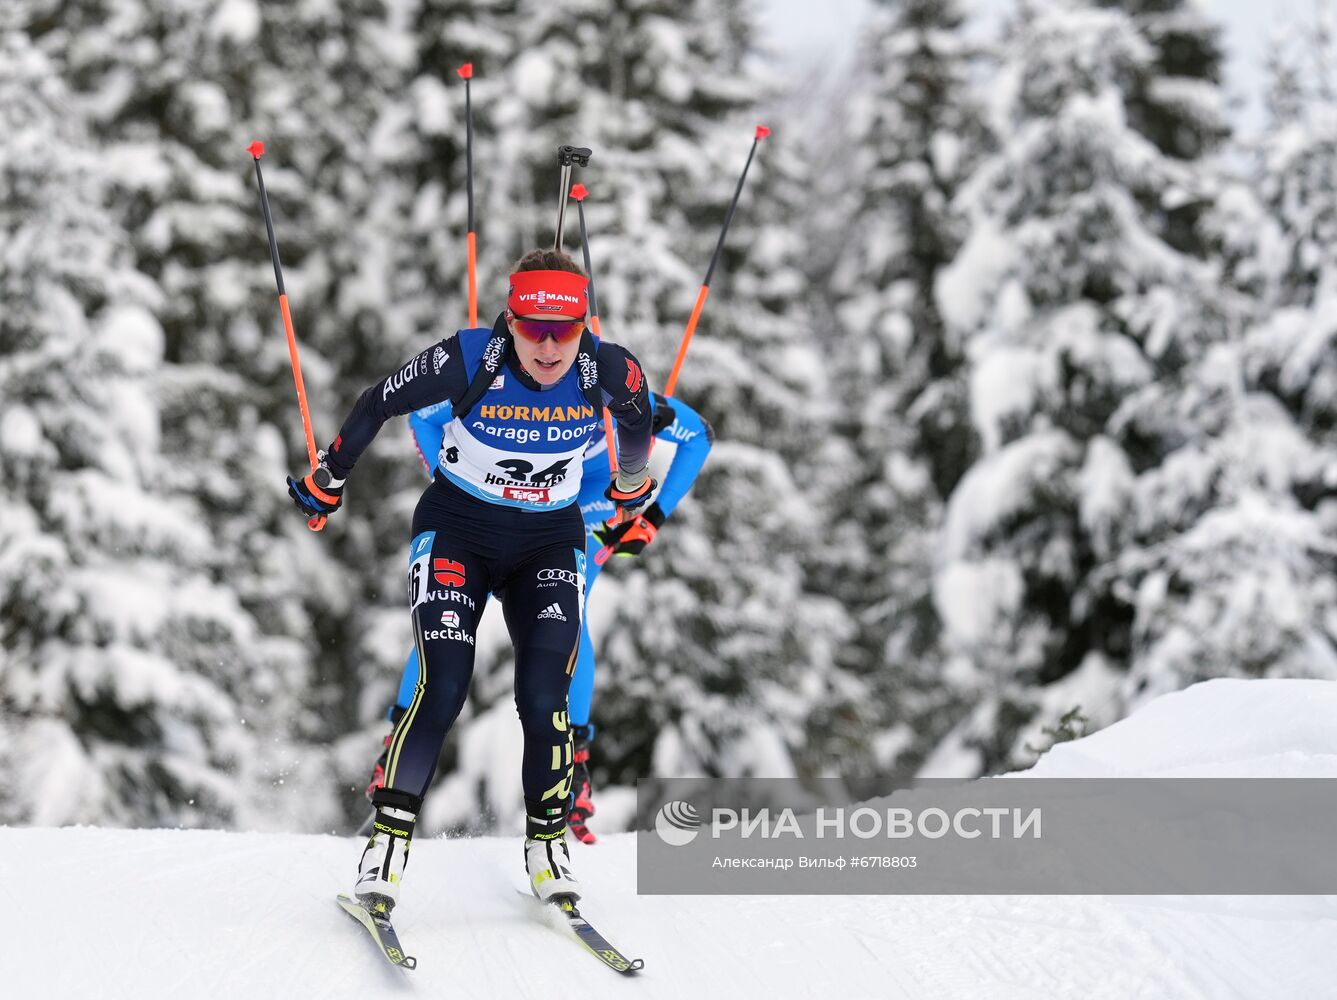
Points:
[(112, 913), (101, 913)]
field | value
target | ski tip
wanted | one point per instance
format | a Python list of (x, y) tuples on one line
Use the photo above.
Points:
[(256, 149), (762, 131), (350, 904), (466, 71)]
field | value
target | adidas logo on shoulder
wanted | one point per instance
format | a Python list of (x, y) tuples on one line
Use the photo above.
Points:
[(553, 611)]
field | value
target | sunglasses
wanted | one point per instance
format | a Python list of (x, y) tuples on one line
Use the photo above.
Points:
[(562, 331)]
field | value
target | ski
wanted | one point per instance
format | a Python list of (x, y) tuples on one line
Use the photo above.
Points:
[(381, 930), (595, 943)]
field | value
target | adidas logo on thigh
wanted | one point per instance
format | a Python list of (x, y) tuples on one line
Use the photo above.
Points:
[(553, 611)]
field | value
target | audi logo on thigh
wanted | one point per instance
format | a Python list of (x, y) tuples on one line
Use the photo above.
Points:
[(565, 575)]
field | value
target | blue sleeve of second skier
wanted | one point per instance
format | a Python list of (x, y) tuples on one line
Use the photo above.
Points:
[(693, 436)]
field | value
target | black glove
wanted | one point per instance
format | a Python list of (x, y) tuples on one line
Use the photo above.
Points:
[(630, 491), (317, 494), (631, 536)]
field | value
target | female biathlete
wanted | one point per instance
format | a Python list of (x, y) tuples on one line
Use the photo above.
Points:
[(500, 517)]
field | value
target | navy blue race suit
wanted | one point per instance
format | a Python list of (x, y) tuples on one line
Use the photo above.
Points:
[(675, 423), (501, 517)]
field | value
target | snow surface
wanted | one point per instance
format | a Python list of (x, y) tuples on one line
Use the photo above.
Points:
[(174, 913)]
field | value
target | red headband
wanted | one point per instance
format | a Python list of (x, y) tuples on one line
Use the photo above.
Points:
[(559, 293)]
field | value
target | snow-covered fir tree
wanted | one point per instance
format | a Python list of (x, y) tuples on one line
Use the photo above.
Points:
[(1101, 362), (175, 93), (1240, 582), (1176, 101), (1247, 589), (1287, 248), (1211, 598), (913, 132), (118, 637)]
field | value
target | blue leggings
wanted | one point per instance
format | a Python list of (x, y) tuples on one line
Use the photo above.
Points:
[(581, 694)]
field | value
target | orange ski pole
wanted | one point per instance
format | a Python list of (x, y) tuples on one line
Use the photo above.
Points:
[(466, 73), (578, 192), (761, 133), (257, 150)]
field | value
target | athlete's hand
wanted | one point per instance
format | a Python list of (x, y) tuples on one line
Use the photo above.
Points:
[(318, 493), (630, 537), (630, 492)]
